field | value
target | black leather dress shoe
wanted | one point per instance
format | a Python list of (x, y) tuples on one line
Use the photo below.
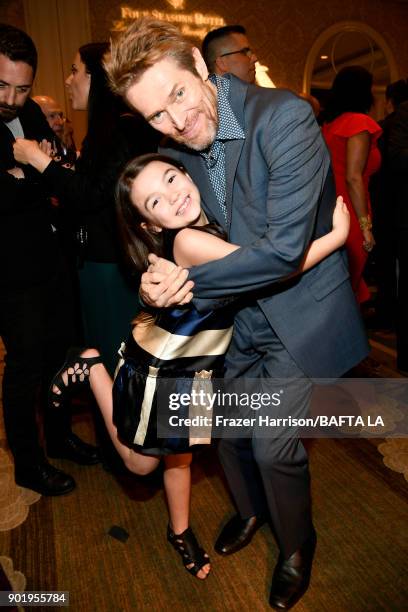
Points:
[(44, 478), (74, 449), (292, 576), (237, 533)]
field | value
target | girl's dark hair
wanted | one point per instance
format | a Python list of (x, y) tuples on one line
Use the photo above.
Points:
[(104, 108), (350, 92), (136, 241)]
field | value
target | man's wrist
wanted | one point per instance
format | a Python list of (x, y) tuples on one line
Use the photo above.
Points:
[(144, 306)]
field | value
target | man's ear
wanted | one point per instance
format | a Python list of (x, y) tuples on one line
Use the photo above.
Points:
[(151, 228), (200, 64), (221, 65)]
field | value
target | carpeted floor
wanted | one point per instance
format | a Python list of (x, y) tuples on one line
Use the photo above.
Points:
[(360, 509)]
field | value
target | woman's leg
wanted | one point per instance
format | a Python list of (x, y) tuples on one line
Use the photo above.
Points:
[(177, 484)]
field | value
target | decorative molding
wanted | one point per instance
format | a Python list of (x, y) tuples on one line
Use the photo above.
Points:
[(347, 26)]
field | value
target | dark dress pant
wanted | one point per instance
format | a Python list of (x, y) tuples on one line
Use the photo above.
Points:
[(36, 325), (402, 300), (268, 472)]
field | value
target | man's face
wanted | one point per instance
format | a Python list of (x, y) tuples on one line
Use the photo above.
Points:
[(55, 118), (177, 103), (240, 59), (16, 79)]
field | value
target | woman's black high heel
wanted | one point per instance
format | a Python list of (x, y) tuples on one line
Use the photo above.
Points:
[(191, 552), (77, 369)]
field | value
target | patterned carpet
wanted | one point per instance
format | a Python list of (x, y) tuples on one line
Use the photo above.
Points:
[(360, 507)]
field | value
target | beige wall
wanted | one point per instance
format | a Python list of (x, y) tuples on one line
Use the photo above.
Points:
[(58, 28), (12, 12), (282, 31)]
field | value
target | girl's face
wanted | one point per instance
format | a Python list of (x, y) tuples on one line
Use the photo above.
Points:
[(78, 84), (166, 197)]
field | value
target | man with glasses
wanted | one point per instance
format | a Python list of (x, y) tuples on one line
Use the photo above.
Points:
[(228, 49)]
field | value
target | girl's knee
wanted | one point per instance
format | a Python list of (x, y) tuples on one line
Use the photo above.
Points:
[(178, 461), (90, 352), (139, 464)]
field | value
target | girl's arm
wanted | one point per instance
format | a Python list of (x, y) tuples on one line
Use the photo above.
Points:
[(327, 244), (192, 247)]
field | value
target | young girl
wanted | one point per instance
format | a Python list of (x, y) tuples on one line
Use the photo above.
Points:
[(159, 211)]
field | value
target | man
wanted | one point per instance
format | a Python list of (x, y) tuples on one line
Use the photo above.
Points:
[(385, 190), (264, 175), (58, 123), (53, 113), (227, 49), (398, 171), (35, 298)]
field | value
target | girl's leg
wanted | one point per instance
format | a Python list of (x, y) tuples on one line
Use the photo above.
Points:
[(177, 485), (101, 385)]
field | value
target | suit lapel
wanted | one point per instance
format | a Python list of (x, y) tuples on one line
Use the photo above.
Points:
[(233, 148), (7, 160)]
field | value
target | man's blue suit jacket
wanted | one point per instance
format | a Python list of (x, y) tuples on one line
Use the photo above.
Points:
[(280, 196)]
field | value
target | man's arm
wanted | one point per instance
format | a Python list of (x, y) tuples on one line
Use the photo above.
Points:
[(17, 194), (297, 165)]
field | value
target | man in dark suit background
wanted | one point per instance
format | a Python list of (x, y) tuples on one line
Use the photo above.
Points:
[(385, 193), (264, 174), (398, 169), (36, 309)]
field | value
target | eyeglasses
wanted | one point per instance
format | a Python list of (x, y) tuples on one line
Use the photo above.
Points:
[(244, 51)]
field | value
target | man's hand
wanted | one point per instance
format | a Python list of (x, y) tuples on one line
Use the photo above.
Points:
[(25, 150), (164, 284), (29, 152)]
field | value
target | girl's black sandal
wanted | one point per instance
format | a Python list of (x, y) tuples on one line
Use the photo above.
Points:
[(191, 552), (77, 369)]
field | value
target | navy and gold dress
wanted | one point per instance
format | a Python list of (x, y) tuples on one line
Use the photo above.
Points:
[(180, 351)]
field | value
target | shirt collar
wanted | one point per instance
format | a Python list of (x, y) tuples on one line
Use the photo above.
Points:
[(228, 126)]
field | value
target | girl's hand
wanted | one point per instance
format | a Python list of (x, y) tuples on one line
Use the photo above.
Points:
[(341, 220), (368, 240)]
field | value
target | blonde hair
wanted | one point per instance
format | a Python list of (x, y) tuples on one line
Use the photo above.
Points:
[(145, 42)]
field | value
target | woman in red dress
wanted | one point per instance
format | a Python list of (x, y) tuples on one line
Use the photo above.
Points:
[(351, 136)]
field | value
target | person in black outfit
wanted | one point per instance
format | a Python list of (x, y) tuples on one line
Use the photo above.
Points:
[(35, 300), (109, 296), (398, 161), (384, 190)]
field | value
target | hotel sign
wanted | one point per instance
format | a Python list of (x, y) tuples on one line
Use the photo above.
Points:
[(191, 24)]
